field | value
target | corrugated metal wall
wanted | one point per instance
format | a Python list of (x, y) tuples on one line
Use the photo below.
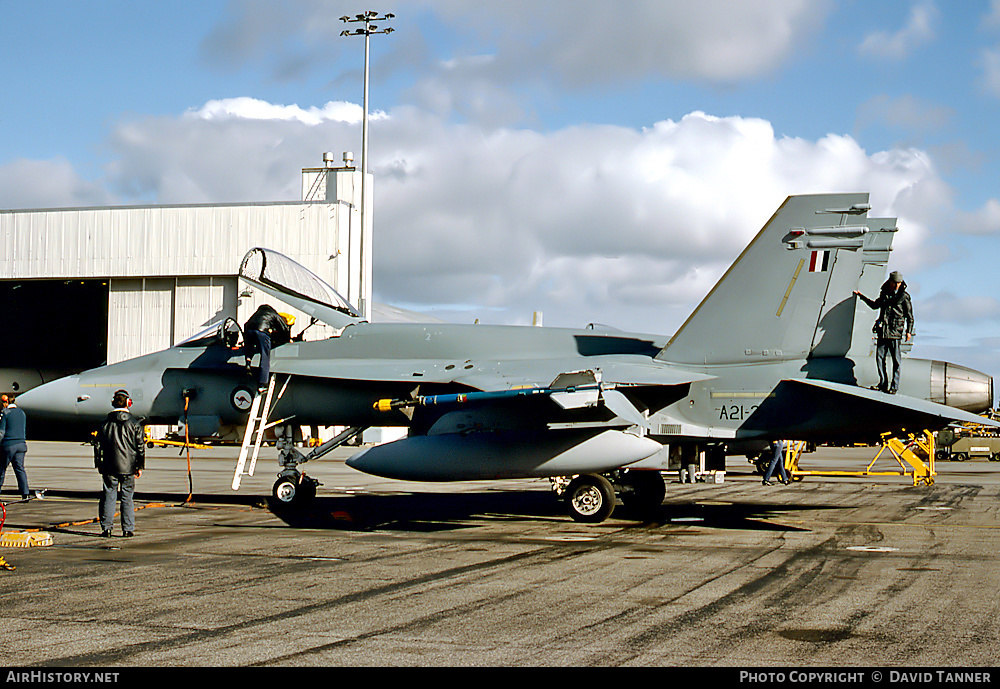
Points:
[(163, 240), (199, 302), (149, 314), (172, 270), (139, 316)]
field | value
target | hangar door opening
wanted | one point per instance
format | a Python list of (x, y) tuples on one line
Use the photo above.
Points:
[(54, 325)]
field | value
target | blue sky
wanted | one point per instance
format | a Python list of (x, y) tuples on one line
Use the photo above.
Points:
[(597, 161)]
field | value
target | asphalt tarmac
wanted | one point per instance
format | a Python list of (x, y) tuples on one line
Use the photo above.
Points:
[(845, 572)]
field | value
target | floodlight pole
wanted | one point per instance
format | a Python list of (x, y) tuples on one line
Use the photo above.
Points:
[(367, 31)]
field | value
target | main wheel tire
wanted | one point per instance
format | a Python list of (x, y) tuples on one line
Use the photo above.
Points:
[(590, 498), (644, 491), (762, 463)]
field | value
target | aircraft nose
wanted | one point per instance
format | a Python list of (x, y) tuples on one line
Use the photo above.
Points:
[(961, 387), (56, 400)]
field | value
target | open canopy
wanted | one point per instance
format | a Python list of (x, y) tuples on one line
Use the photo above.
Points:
[(297, 286)]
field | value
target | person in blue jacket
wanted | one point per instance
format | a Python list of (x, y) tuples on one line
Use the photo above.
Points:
[(14, 444)]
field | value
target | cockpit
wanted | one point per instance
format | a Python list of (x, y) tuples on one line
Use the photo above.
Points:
[(291, 283), (227, 333)]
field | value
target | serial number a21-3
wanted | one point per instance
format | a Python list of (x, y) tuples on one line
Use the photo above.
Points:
[(736, 412)]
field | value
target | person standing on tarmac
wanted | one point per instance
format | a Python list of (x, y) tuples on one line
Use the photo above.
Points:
[(895, 321), (120, 456), (777, 448), (13, 444), (265, 329)]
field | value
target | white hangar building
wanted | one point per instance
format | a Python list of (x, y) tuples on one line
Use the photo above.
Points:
[(83, 286)]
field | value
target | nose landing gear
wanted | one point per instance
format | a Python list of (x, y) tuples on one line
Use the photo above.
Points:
[(294, 489)]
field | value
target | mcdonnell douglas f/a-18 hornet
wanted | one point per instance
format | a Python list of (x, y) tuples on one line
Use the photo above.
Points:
[(779, 349)]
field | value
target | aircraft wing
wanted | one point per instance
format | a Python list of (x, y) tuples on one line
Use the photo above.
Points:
[(919, 413), (297, 286)]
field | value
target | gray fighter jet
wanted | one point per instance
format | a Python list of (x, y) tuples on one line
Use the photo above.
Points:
[(779, 349)]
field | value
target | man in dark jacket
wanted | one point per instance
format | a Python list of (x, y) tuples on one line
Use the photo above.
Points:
[(895, 322), (13, 444), (266, 328), (120, 456)]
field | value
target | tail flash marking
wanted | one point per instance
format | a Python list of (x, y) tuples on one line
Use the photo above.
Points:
[(791, 283), (819, 261)]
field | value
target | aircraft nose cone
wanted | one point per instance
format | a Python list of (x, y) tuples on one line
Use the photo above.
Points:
[(57, 400)]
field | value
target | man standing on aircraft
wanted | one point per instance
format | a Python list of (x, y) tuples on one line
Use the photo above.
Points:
[(895, 320), (266, 328), (120, 456)]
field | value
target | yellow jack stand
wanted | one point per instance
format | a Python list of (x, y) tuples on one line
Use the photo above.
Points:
[(915, 450)]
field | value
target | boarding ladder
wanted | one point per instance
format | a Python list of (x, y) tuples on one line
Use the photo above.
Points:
[(260, 409)]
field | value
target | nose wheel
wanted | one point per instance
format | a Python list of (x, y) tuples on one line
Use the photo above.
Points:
[(294, 490)]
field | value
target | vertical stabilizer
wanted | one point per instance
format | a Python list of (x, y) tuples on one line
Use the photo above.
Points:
[(789, 294)]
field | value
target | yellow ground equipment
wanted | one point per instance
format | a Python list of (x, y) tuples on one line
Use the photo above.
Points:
[(25, 540), (151, 441), (968, 441), (917, 451), (19, 539)]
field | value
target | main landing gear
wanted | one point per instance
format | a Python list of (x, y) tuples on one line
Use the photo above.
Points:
[(592, 498)]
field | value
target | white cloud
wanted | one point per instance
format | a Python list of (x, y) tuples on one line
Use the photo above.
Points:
[(947, 308), (905, 112), (990, 61), (992, 18), (291, 42), (583, 43), (255, 109), (593, 42), (918, 31), (47, 184), (607, 223), (478, 62), (588, 223), (985, 221)]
